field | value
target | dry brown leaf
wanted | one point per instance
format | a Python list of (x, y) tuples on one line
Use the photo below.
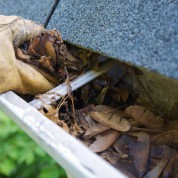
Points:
[(52, 114), (48, 110), (154, 173), (21, 55), (111, 120), (104, 141), (171, 169), (95, 129), (109, 109), (145, 117), (140, 153), (166, 138)]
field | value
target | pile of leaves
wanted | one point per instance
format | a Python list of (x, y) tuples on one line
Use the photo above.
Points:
[(48, 54), (104, 115)]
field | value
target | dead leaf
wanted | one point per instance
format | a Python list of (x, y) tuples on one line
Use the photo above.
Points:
[(21, 55), (48, 110), (104, 141), (166, 138), (95, 129), (111, 120), (52, 114), (145, 117), (140, 153), (154, 173), (171, 169), (109, 109)]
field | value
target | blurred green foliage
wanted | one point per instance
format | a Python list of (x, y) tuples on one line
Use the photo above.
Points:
[(21, 157)]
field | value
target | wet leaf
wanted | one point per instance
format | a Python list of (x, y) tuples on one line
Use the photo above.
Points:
[(145, 117), (104, 141), (166, 138), (111, 120), (154, 173), (140, 153)]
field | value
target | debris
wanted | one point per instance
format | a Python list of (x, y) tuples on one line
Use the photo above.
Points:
[(145, 117), (104, 141), (104, 115)]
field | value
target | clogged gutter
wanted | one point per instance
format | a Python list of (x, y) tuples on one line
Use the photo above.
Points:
[(105, 114)]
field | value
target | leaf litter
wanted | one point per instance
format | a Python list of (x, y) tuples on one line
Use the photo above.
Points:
[(104, 114)]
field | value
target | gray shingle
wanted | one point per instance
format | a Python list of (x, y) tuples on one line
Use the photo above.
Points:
[(144, 33), (37, 10)]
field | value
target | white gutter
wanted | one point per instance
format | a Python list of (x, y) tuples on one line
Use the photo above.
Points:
[(73, 156)]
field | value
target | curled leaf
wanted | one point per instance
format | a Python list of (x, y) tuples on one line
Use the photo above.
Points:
[(145, 117)]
